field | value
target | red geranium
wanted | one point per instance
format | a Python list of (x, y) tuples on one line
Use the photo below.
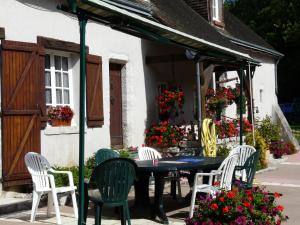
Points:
[(234, 207)]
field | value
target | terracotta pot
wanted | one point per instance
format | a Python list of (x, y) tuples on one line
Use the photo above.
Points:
[(60, 123)]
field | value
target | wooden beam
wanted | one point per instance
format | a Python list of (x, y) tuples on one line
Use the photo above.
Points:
[(165, 59), (51, 43), (2, 33)]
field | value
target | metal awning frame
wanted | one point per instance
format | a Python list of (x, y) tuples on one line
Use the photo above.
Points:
[(151, 30)]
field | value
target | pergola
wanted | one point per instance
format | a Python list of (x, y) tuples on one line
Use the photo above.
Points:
[(138, 23)]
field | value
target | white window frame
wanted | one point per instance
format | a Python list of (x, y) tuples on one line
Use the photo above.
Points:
[(53, 83)]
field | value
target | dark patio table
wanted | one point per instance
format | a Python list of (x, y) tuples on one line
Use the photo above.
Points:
[(160, 169)]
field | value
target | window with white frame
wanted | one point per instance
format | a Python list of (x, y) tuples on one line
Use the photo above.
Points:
[(57, 79), (217, 7)]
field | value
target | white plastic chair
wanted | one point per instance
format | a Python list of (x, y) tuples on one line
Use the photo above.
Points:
[(224, 172), (244, 152), (43, 183), (147, 153)]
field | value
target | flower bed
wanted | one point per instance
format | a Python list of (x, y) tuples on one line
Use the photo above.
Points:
[(246, 207), (164, 135), (231, 128)]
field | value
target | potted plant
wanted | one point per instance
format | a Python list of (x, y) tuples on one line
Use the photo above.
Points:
[(60, 115), (239, 206)]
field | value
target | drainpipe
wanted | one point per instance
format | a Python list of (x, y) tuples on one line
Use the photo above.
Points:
[(82, 24), (241, 75), (276, 81), (251, 104), (199, 119)]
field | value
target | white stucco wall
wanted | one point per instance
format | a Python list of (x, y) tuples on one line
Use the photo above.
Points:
[(25, 20), (263, 87)]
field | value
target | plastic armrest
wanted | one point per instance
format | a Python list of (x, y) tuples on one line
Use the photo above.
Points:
[(69, 173)]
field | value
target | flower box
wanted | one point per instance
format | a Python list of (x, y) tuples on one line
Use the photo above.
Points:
[(60, 123), (60, 115)]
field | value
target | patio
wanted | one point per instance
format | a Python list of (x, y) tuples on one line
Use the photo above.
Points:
[(176, 212), (284, 178)]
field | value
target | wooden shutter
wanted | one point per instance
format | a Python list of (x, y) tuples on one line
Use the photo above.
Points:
[(94, 91), (23, 104)]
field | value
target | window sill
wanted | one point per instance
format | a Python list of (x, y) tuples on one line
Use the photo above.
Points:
[(61, 130)]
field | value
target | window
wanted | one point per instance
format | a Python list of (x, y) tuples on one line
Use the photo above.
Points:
[(57, 80), (217, 6)]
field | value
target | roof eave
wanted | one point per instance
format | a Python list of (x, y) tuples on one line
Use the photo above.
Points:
[(100, 4)]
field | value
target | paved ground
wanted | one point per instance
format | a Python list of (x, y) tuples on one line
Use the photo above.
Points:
[(284, 179)]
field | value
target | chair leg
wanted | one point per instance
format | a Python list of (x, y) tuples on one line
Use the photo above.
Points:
[(75, 208), (98, 212), (56, 206), (36, 197), (179, 189), (127, 214), (193, 199), (123, 215), (86, 206), (50, 204)]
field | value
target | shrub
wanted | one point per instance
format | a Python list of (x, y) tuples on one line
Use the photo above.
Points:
[(269, 130), (223, 150), (130, 152), (279, 148), (240, 206), (62, 179), (261, 145)]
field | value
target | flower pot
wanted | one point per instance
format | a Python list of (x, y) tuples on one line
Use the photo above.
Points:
[(60, 123)]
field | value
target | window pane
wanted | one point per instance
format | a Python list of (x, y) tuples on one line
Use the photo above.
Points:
[(66, 97), (66, 79), (65, 64), (48, 96), (58, 96), (47, 78), (47, 61), (58, 79), (57, 62)]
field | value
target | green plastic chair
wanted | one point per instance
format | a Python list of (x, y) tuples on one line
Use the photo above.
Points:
[(101, 155), (105, 154), (250, 168), (113, 179)]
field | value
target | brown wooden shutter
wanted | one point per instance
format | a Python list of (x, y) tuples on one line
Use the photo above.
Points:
[(94, 91), (22, 101)]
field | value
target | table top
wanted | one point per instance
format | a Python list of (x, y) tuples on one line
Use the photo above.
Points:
[(179, 163)]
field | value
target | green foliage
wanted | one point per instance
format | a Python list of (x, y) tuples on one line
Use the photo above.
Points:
[(223, 150), (62, 179), (261, 145), (269, 130), (278, 22)]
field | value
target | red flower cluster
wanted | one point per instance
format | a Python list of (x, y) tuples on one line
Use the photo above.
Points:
[(164, 135), (60, 112), (170, 101), (240, 206), (221, 98), (279, 148), (230, 128)]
